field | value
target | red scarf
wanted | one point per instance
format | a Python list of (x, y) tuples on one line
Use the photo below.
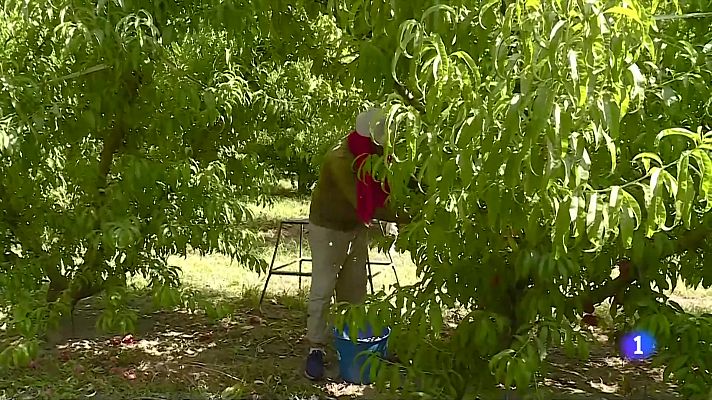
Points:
[(369, 192)]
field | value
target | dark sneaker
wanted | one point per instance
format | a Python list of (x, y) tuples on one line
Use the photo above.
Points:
[(315, 365)]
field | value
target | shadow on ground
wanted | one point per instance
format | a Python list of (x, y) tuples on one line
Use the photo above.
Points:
[(605, 375), (179, 355), (249, 355)]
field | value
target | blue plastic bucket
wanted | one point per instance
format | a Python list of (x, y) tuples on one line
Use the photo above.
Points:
[(352, 356)]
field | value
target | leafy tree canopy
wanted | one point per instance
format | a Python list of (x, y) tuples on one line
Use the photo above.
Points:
[(555, 142)]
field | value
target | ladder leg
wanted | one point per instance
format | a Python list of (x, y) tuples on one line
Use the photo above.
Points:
[(370, 274), (390, 258), (271, 265), (301, 239), (393, 266), (395, 274)]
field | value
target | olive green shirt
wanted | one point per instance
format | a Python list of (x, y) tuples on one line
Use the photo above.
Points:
[(333, 200)]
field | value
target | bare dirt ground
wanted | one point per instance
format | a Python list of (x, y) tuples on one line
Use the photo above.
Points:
[(253, 355)]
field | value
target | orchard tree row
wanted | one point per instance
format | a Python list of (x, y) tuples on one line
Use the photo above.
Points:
[(556, 142)]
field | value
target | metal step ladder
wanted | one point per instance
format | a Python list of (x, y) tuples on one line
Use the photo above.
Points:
[(283, 271)]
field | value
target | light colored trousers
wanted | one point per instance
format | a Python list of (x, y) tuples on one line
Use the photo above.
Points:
[(338, 263)]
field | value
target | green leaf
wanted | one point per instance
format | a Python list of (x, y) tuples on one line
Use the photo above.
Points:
[(533, 231), (611, 146), (630, 13), (584, 350), (521, 375), (544, 336), (654, 197), (669, 182), (442, 60), (611, 212), (613, 116), (554, 31), (569, 345), (467, 59), (562, 226), (630, 217), (648, 156), (395, 380), (500, 357), (694, 137), (577, 209), (481, 334), (592, 209), (685, 192), (436, 317), (654, 184), (573, 65), (437, 9), (638, 79), (574, 207), (704, 164), (630, 201), (512, 172), (627, 222), (513, 364), (675, 366), (614, 201)]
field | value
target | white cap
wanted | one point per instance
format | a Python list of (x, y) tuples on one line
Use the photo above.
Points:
[(370, 123)]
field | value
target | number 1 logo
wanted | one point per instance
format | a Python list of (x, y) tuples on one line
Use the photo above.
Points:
[(637, 345), (638, 341)]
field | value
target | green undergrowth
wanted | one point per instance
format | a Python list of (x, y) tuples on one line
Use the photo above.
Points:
[(248, 352)]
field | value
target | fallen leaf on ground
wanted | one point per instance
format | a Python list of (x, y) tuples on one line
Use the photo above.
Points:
[(603, 387), (128, 340), (130, 374), (65, 355)]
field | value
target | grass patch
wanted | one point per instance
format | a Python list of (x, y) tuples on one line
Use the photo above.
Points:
[(694, 300), (218, 273)]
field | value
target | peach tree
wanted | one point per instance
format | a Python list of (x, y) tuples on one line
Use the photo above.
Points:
[(563, 149), (130, 131), (556, 143)]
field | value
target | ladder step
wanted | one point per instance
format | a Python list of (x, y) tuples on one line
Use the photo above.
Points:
[(290, 273)]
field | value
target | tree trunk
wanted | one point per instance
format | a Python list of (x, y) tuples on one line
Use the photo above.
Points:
[(303, 184), (78, 289), (305, 178)]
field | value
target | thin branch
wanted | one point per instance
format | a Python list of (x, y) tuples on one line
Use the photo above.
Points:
[(87, 71), (682, 16), (151, 398), (201, 365), (636, 181), (409, 98), (176, 69)]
